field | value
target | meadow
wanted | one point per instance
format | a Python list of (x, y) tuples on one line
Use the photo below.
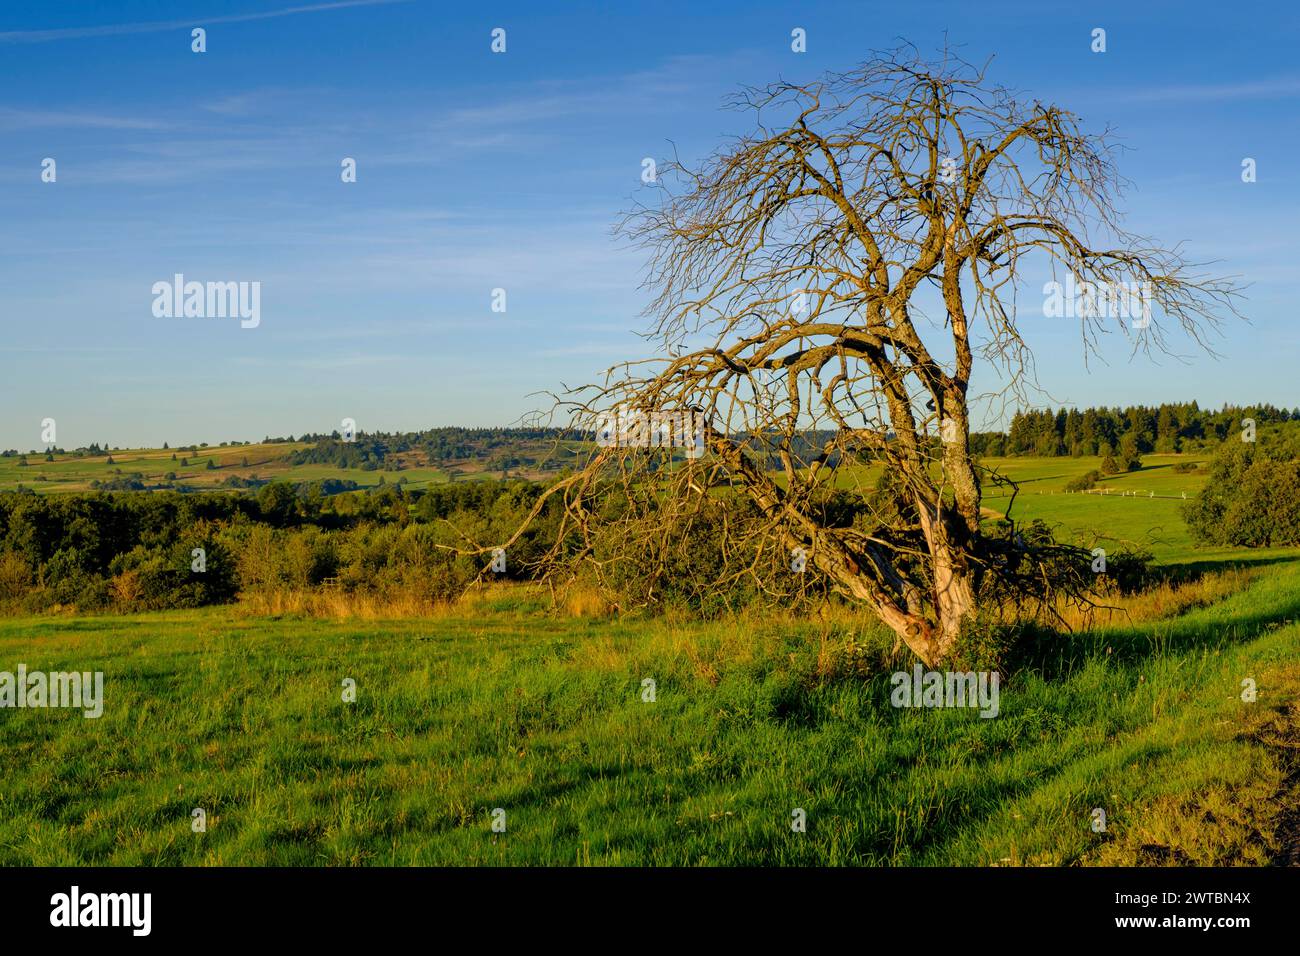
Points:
[(502, 702), (69, 472)]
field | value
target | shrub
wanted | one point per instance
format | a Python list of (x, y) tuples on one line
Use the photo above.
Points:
[(1128, 570), (126, 587), (1129, 459), (15, 576), (1252, 497), (1085, 481)]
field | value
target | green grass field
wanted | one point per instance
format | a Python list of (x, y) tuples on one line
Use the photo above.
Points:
[(544, 718), (508, 705), (1141, 508)]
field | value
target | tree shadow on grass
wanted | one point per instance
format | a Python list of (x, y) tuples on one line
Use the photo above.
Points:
[(1189, 571), (1055, 655)]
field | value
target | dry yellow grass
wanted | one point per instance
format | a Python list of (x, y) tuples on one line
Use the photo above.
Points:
[(339, 605), (586, 601), (1164, 600)]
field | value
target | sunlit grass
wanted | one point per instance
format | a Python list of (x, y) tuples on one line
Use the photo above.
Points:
[(542, 715)]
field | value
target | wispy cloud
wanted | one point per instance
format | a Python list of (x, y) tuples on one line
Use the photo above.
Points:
[(157, 26), (13, 119), (680, 76), (65, 349), (584, 349), (373, 329), (326, 363), (1275, 88), (267, 99)]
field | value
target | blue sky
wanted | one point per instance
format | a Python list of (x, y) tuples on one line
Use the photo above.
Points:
[(478, 171)]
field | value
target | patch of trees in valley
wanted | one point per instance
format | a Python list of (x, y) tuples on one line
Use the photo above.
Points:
[(100, 551)]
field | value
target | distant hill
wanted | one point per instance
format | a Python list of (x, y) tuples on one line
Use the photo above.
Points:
[(433, 457)]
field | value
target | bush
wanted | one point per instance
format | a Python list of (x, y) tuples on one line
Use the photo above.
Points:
[(15, 576), (1128, 570), (1085, 481), (675, 562), (1129, 459), (158, 579), (1252, 497)]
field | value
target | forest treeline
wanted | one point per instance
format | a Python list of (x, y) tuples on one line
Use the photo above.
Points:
[(1168, 428), (500, 449)]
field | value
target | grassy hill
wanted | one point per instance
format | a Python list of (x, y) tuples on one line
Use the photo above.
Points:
[(537, 458), (266, 462)]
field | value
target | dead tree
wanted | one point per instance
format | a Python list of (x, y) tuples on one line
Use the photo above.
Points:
[(792, 274)]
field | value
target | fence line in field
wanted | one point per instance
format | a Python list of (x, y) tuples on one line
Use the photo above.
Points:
[(1106, 493)]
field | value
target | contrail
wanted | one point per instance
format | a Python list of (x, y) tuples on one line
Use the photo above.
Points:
[(155, 26)]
